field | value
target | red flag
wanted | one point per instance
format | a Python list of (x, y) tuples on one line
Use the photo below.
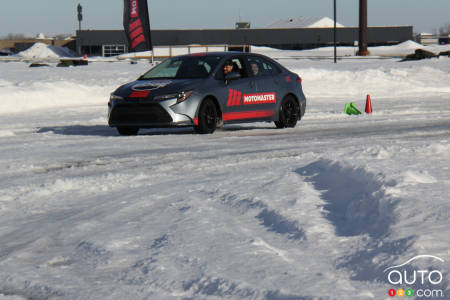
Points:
[(137, 25)]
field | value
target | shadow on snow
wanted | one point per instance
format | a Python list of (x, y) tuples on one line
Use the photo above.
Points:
[(104, 130)]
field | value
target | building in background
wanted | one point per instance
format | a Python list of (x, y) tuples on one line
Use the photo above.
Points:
[(111, 42), (290, 34)]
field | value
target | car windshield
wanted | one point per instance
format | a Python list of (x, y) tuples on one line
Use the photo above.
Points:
[(191, 66)]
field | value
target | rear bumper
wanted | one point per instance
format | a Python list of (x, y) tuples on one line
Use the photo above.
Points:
[(144, 114)]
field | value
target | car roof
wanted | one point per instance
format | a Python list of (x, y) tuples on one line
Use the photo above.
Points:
[(227, 54), (220, 53)]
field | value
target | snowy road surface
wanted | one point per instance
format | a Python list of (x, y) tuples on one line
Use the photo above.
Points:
[(250, 212)]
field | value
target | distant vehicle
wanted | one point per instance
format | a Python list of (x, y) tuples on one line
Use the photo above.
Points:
[(192, 90), (444, 40), (5, 52)]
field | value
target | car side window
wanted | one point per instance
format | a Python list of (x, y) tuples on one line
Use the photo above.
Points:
[(238, 66), (262, 67)]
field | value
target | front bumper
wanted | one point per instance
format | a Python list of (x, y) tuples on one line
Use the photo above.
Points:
[(143, 113)]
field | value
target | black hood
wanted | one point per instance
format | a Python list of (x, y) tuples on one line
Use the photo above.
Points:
[(157, 86)]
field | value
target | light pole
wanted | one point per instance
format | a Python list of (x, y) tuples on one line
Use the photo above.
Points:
[(334, 32), (80, 15), (363, 28)]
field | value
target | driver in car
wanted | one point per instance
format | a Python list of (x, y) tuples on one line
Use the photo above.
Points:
[(228, 67)]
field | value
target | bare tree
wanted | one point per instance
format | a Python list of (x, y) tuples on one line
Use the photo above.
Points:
[(14, 36)]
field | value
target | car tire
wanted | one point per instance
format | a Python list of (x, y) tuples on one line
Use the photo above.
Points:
[(127, 130), (207, 117), (289, 113)]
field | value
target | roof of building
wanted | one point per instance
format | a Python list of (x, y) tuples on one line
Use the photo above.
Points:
[(305, 22)]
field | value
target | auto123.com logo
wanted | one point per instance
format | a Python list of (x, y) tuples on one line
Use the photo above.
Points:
[(416, 281)]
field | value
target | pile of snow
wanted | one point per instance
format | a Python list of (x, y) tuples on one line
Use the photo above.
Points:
[(406, 48), (402, 49), (304, 22), (27, 89), (41, 50)]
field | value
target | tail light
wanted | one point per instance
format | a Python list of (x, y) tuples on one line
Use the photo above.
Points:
[(299, 79)]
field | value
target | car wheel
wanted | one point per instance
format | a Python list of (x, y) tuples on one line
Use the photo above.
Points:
[(127, 130), (207, 117), (289, 113)]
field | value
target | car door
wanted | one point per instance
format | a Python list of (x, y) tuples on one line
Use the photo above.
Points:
[(268, 83), (232, 92)]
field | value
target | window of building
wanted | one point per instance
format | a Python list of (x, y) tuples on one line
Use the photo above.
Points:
[(113, 50)]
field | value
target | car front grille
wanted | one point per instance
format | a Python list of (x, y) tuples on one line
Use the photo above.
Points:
[(139, 114)]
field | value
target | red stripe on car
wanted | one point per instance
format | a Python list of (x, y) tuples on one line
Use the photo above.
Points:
[(239, 96), (230, 94), (198, 54), (256, 114), (139, 94), (234, 97)]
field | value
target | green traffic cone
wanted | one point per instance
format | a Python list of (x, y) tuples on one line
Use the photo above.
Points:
[(350, 109)]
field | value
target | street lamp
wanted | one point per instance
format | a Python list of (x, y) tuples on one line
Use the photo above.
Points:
[(80, 15), (334, 32)]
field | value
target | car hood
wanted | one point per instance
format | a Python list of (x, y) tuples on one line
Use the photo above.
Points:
[(157, 87)]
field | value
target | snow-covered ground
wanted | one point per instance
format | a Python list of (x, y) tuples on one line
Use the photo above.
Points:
[(250, 212)]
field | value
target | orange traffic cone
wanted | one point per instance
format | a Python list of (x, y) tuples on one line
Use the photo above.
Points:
[(368, 105)]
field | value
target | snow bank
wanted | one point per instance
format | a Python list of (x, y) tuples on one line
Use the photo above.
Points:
[(41, 51), (406, 48), (387, 79), (29, 89), (402, 49)]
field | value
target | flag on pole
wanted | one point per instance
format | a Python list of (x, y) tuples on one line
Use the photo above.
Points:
[(137, 25)]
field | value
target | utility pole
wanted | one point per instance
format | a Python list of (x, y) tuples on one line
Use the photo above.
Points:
[(80, 15), (334, 32), (363, 28)]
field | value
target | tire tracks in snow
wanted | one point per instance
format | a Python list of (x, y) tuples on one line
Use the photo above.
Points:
[(357, 206)]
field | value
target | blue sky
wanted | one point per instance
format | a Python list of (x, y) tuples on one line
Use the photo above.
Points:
[(31, 17)]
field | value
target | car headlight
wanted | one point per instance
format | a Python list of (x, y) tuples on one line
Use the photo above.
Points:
[(181, 96), (113, 97)]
